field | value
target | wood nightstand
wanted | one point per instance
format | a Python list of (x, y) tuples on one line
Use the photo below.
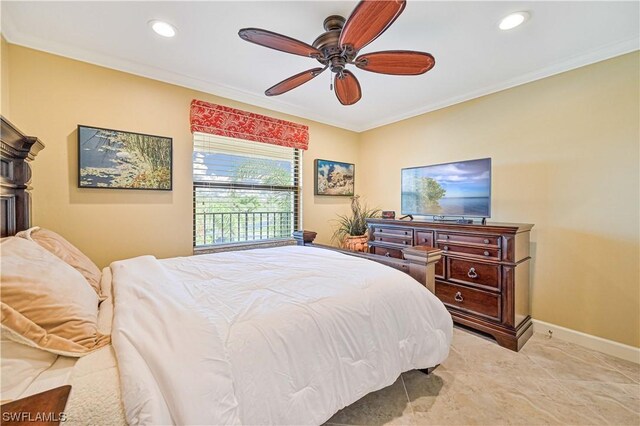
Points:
[(45, 408)]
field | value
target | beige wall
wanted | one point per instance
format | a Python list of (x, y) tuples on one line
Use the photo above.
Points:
[(4, 77), (565, 157), (50, 95)]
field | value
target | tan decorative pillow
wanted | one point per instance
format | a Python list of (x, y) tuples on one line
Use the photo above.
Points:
[(45, 302), (66, 251)]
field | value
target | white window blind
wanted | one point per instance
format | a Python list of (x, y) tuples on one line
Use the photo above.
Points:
[(243, 191)]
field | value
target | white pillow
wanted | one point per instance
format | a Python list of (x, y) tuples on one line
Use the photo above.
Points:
[(20, 366)]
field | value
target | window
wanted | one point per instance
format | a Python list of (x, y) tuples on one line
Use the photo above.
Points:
[(243, 191)]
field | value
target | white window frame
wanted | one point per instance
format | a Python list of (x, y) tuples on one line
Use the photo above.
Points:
[(295, 189)]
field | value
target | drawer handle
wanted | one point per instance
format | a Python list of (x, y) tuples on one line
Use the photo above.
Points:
[(406, 232), (404, 242), (424, 240), (472, 273), (458, 297), (446, 237), (445, 248), (486, 253), (486, 241), (387, 254)]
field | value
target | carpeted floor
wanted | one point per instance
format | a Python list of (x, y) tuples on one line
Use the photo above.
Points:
[(548, 382)]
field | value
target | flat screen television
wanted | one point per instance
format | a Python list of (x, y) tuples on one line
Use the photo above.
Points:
[(453, 189)]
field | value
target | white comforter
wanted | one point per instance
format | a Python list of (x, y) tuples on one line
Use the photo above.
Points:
[(285, 335)]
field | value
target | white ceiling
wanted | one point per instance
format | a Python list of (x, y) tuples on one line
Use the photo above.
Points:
[(473, 57)]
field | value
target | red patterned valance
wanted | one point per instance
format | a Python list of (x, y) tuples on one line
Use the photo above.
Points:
[(224, 121)]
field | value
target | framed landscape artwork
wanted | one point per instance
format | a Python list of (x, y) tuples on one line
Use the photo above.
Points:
[(123, 160), (334, 178)]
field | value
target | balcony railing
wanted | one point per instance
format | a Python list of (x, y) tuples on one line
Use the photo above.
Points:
[(225, 228)]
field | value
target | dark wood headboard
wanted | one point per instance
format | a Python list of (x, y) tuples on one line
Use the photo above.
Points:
[(16, 151)]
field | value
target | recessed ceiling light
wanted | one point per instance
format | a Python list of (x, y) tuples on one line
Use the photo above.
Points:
[(162, 28), (513, 20)]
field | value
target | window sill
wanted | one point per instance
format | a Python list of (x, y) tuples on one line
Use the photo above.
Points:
[(243, 246)]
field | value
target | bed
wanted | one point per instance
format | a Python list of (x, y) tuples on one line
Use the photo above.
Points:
[(285, 335)]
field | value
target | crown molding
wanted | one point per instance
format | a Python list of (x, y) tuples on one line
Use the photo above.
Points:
[(14, 36), (597, 55)]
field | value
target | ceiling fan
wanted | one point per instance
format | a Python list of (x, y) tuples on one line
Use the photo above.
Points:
[(339, 45)]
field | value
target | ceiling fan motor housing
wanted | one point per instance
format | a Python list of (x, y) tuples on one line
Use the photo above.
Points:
[(329, 44)]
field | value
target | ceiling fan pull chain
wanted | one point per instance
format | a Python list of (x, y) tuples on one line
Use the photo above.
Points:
[(330, 82)]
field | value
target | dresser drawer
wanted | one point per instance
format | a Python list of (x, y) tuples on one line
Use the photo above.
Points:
[(405, 232), (470, 300), (393, 239), (424, 238), (481, 240), (389, 252), (486, 253), (474, 273)]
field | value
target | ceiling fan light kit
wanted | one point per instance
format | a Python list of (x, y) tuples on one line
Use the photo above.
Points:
[(339, 46)]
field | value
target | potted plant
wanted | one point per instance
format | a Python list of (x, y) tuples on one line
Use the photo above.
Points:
[(351, 232)]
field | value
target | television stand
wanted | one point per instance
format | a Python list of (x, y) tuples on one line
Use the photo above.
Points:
[(482, 277)]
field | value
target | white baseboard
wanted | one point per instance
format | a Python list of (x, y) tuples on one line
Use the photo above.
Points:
[(609, 347)]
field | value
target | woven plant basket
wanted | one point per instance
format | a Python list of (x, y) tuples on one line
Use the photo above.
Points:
[(356, 243)]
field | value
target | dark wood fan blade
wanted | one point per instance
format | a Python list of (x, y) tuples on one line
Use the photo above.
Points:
[(347, 88), (278, 42), (293, 82), (396, 62), (368, 20)]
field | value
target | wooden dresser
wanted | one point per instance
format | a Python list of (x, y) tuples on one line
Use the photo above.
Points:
[(482, 277)]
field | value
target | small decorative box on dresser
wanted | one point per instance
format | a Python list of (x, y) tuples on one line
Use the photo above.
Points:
[(483, 276)]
